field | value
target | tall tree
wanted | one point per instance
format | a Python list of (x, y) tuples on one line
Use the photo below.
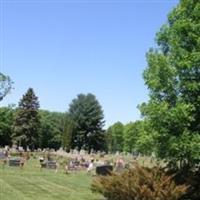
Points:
[(115, 137), (87, 115), (109, 140), (27, 123), (6, 120), (5, 85), (51, 129), (173, 78), (145, 142), (131, 132), (67, 133)]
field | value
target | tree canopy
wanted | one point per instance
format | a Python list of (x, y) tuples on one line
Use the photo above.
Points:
[(115, 138), (6, 120), (173, 79), (51, 129)]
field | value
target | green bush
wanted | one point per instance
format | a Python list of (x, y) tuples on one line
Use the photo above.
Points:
[(138, 183)]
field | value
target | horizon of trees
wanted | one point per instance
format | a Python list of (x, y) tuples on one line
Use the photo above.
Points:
[(80, 127)]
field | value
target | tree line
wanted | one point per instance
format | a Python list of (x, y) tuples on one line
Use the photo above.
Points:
[(80, 127), (134, 137)]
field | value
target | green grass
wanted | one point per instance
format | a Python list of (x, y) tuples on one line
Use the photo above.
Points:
[(32, 184)]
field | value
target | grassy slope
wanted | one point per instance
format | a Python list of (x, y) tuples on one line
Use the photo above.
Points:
[(33, 184)]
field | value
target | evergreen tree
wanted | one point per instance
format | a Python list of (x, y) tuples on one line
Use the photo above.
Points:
[(27, 123), (87, 115)]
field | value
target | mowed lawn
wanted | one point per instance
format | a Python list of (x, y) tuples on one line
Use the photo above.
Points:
[(32, 184)]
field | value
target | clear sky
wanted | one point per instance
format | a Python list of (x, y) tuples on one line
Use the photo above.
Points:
[(62, 48)]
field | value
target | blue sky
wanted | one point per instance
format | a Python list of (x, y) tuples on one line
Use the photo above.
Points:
[(63, 48)]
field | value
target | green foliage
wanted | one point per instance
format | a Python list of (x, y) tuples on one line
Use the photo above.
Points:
[(130, 137), (6, 120), (173, 77), (29, 126), (26, 123), (115, 139), (50, 133), (67, 133), (138, 183), (139, 136), (87, 115), (145, 142), (134, 136), (5, 85), (108, 138), (51, 129)]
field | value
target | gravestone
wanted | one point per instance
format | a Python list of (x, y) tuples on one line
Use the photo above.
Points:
[(21, 148), (7, 148), (14, 148), (104, 170), (51, 164), (82, 152), (14, 162), (2, 156), (71, 151), (75, 152)]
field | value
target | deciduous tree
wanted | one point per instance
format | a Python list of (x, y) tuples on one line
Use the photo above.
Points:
[(173, 78), (115, 137), (5, 85), (6, 120)]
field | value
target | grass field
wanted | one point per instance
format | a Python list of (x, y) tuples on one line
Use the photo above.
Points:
[(32, 184)]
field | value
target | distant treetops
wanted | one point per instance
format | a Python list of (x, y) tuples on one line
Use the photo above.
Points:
[(81, 127)]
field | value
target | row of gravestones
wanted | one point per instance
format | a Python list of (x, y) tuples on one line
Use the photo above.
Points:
[(16, 162), (82, 152), (14, 149), (92, 152)]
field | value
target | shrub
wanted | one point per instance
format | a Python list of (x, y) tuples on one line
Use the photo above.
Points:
[(191, 178), (138, 183)]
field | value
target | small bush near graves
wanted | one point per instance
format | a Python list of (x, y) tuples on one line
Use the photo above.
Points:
[(138, 183)]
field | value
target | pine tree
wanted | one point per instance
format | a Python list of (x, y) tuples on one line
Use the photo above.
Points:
[(27, 123), (87, 115)]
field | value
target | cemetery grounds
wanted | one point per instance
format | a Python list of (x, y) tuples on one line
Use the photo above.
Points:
[(30, 183)]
